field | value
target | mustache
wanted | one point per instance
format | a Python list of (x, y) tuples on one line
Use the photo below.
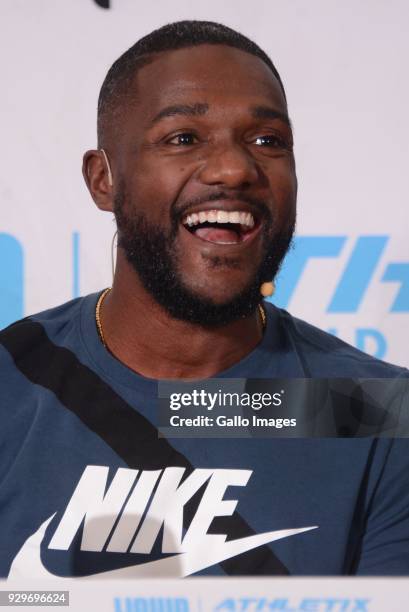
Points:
[(178, 211)]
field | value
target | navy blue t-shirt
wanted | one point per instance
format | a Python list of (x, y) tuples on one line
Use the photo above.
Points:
[(87, 488)]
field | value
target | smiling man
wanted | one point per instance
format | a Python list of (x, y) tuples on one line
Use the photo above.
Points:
[(203, 191), (195, 160)]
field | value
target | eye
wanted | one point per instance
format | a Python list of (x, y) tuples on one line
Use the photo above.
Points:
[(270, 140), (184, 139)]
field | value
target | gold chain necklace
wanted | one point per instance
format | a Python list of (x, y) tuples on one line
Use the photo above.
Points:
[(263, 318), (103, 295), (98, 314)]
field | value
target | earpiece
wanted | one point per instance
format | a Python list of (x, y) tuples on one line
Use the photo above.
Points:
[(113, 259), (110, 180)]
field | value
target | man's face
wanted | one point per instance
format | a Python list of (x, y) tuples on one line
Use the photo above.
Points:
[(206, 185)]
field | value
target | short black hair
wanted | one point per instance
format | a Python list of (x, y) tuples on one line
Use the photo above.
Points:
[(170, 37)]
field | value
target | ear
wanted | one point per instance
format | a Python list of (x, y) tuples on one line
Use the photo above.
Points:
[(97, 175)]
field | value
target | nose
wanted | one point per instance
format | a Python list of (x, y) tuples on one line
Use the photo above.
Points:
[(230, 166)]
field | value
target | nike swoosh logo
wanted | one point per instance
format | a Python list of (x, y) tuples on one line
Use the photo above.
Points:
[(28, 560)]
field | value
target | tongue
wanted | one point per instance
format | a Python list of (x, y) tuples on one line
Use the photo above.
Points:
[(213, 234)]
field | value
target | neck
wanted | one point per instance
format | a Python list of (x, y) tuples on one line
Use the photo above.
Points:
[(143, 336)]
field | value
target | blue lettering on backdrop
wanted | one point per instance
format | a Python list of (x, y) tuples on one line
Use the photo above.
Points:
[(362, 335), (399, 272), (327, 604), (357, 274), (305, 248), (151, 604), (11, 280), (356, 277)]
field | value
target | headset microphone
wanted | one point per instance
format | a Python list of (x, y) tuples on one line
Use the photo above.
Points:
[(110, 180)]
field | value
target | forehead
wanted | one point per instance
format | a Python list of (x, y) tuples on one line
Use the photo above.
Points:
[(214, 74)]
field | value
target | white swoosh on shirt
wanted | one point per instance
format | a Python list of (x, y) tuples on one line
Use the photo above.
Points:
[(28, 562)]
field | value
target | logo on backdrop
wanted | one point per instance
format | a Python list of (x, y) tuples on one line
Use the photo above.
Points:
[(353, 282), (351, 288)]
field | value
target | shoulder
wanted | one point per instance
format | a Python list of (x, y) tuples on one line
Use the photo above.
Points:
[(324, 355), (55, 325)]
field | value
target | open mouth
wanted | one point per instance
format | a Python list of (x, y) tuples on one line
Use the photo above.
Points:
[(220, 226)]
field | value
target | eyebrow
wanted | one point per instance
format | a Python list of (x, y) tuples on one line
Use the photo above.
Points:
[(188, 110), (195, 110), (266, 112)]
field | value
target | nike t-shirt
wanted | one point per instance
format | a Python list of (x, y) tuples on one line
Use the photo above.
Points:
[(87, 488)]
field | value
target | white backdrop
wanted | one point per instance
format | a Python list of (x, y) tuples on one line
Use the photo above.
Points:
[(345, 68)]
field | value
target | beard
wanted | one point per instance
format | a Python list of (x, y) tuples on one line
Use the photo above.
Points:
[(152, 253)]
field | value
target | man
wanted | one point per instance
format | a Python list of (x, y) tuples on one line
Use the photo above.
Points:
[(195, 159)]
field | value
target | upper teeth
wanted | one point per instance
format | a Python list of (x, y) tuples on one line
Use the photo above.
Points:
[(219, 216)]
